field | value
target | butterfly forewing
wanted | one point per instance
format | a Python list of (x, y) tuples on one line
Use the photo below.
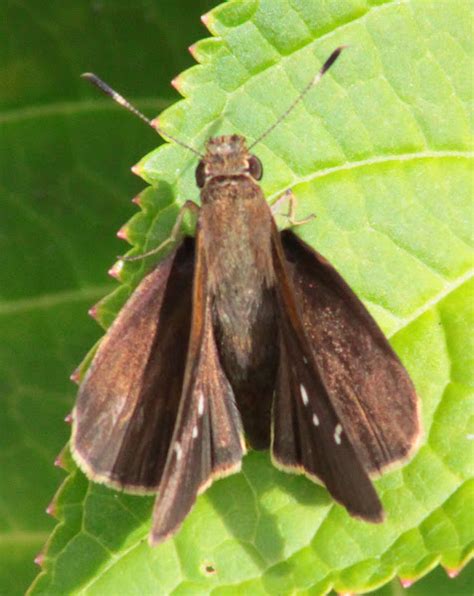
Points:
[(128, 402), (308, 435), (208, 439), (368, 386)]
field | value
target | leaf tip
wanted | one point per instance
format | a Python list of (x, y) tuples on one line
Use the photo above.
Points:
[(59, 463), (122, 234), (39, 559), (406, 582), (136, 168), (75, 376), (177, 83), (51, 509), (115, 270), (192, 50), (136, 200), (452, 572)]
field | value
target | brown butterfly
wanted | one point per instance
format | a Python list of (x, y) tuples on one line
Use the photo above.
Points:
[(242, 331)]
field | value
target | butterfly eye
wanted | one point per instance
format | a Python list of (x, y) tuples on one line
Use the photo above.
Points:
[(255, 167), (201, 174)]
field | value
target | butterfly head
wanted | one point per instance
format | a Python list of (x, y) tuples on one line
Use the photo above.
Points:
[(227, 156)]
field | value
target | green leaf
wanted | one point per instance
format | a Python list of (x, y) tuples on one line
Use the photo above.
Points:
[(381, 151)]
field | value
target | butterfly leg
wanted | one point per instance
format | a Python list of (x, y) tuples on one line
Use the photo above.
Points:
[(175, 232), (292, 201)]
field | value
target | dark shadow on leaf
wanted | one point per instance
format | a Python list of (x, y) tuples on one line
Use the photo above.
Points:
[(240, 500)]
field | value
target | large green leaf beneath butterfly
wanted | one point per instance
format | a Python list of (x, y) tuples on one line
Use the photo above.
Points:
[(380, 151)]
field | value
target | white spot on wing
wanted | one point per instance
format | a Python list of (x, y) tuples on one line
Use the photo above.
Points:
[(304, 395), (195, 431), (305, 360), (178, 450), (201, 404), (337, 434), (315, 420)]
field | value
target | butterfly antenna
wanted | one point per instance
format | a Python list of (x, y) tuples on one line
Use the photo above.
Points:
[(326, 66), (102, 85)]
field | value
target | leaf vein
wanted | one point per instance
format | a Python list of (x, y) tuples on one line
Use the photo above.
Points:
[(375, 161), (47, 301), (433, 302)]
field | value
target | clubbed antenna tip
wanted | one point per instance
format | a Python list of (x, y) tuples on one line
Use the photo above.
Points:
[(102, 85), (332, 58), (105, 88), (314, 81)]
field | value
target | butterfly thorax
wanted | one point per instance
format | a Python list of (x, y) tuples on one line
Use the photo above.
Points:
[(236, 222)]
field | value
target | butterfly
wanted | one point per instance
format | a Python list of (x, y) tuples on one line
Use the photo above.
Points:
[(243, 336)]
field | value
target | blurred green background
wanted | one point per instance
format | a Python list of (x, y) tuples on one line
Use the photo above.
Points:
[(65, 189)]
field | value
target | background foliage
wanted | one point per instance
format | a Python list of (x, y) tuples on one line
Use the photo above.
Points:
[(65, 187), (65, 158)]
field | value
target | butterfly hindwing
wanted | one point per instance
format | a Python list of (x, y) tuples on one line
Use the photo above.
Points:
[(207, 442), (369, 387), (308, 435), (128, 401)]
